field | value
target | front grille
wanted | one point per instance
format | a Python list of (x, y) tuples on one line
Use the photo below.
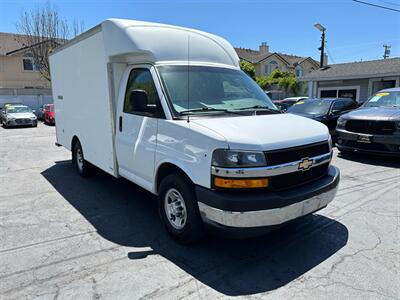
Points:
[(281, 156), (22, 121), (371, 127), (291, 180)]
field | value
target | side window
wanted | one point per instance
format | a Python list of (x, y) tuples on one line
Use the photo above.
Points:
[(347, 105), (141, 96), (337, 106)]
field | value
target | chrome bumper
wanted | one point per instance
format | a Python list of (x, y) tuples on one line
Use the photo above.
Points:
[(269, 217)]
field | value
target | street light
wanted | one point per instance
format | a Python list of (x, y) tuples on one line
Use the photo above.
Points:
[(322, 29)]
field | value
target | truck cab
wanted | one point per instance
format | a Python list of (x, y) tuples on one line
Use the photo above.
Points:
[(169, 109)]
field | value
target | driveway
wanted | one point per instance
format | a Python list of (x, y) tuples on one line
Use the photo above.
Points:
[(66, 237)]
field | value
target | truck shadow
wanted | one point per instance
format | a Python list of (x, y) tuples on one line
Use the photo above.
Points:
[(125, 214), (376, 160)]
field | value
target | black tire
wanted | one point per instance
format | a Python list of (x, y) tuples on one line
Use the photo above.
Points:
[(83, 167), (193, 229)]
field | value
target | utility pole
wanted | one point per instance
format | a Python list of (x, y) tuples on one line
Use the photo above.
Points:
[(386, 53), (322, 48)]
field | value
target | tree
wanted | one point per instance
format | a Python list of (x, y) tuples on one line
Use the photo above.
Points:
[(42, 30), (248, 68), (282, 79)]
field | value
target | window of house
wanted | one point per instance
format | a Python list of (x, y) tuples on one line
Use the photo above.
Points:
[(272, 66), (29, 62), (328, 94), (348, 93), (266, 69), (141, 80), (299, 71)]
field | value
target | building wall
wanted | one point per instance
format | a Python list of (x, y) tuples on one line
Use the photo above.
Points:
[(33, 98), (13, 75), (260, 67), (362, 84), (308, 67)]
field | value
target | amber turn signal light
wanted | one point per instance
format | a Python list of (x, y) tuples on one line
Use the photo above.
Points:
[(227, 183)]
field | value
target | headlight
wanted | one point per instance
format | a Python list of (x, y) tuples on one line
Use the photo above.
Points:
[(341, 123), (234, 159)]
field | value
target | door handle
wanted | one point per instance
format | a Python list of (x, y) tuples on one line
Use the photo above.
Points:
[(120, 123)]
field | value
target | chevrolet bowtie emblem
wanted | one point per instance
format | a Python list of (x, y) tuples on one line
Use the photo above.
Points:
[(305, 164)]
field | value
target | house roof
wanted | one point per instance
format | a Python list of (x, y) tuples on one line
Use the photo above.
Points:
[(11, 41), (354, 70), (255, 56)]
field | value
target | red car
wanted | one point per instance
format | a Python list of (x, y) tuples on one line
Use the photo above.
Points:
[(49, 115)]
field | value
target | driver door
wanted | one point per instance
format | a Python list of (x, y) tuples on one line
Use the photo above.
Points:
[(138, 112)]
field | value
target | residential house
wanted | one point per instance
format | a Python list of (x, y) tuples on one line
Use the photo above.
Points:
[(266, 61), (357, 80), (17, 67)]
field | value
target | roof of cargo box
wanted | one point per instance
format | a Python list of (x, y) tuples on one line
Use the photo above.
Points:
[(127, 40), (133, 41)]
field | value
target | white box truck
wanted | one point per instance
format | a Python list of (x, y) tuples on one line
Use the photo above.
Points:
[(169, 109)]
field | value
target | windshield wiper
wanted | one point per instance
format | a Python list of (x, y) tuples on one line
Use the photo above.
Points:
[(207, 109), (261, 107)]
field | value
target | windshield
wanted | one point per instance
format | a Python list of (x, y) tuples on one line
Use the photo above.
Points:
[(384, 99), (18, 109), (211, 89), (319, 107)]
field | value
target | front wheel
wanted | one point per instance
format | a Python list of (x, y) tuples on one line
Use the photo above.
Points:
[(179, 210), (82, 166)]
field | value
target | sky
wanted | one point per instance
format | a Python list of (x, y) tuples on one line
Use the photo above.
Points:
[(354, 31)]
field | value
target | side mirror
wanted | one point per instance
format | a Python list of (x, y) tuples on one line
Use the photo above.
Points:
[(34, 111), (139, 102)]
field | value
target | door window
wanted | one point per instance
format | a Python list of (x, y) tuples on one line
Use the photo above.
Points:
[(337, 106), (141, 96)]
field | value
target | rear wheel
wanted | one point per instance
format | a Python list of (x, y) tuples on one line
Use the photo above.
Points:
[(82, 166), (179, 210)]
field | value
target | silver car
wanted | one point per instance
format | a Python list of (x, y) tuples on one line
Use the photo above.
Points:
[(18, 115)]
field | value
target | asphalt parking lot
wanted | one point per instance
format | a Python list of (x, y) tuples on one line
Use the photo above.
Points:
[(65, 237)]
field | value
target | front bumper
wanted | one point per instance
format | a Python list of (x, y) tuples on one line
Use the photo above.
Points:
[(21, 122), (381, 144), (261, 209)]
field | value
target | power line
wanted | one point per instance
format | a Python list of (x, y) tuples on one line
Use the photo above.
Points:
[(365, 44), (390, 3), (375, 5), (329, 53)]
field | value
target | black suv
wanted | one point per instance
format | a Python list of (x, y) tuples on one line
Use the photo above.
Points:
[(324, 110), (374, 127)]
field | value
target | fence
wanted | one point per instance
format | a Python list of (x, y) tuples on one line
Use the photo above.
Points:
[(33, 98)]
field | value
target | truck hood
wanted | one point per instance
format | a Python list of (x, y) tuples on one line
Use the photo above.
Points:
[(375, 113), (266, 132), (21, 115)]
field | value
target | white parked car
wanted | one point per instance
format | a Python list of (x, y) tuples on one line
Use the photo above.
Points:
[(18, 115), (169, 109)]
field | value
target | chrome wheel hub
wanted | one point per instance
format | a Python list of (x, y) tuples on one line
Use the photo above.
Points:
[(79, 159), (175, 209)]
